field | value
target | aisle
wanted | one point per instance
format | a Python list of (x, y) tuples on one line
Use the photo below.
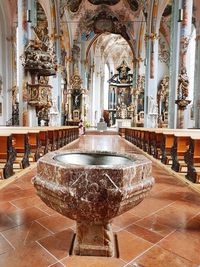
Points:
[(163, 230)]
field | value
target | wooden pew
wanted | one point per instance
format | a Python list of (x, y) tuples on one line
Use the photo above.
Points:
[(7, 155), (17, 143), (166, 145), (21, 144), (180, 147), (192, 159), (33, 139), (43, 135), (122, 131), (35, 143), (170, 144)]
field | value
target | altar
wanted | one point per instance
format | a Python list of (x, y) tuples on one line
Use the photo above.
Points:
[(123, 123), (101, 126)]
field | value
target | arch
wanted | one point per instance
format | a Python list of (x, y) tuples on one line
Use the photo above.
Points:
[(49, 9), (95, 38)]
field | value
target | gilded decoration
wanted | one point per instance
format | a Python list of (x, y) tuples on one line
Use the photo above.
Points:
[(39, 55), (120, 103), (39, 95), (103, 21), (76, 81)]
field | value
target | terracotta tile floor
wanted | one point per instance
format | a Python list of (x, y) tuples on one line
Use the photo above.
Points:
[(162, 231)]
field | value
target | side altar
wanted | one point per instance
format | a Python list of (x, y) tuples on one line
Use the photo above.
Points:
[(75, 106)]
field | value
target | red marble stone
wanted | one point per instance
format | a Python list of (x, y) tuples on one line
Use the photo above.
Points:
[(93, 194)]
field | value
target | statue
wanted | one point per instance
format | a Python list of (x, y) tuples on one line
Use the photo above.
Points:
[(164, 85), (76, 100), (153, 107), (183, 84)]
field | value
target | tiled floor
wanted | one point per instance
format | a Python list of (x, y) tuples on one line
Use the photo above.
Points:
[(162, 231)]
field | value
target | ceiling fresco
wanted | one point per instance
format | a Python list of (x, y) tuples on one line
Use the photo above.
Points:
[(74, 5), (105, 22), (100, 22), (134, 5), (104, 2)]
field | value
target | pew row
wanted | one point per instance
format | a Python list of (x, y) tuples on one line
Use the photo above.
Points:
[(176, 147), (20, 145)]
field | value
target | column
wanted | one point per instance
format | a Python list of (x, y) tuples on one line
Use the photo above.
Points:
[(83, 105), (69, 105), (57, 89), (139, 85), (197, 79), (151, 45), (174, 63), (183, 82), (21, 36), (150, 120), (32, 118)]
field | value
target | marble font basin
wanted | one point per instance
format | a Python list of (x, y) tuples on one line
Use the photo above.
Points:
[(93, 187)]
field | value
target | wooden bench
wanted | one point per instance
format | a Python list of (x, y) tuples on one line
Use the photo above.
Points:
[(192, 159), (21, 145), (166, 145), (35, 143), (34, 139), (122, 131), (7, 155), (180, 147)]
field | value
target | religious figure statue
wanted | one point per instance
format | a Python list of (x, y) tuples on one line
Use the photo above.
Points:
[(183, 84), (76, 99), (153, 108), (164, 85)]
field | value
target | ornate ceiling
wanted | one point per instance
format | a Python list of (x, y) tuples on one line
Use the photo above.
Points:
[(114, 49), (75, 4), (104, 2)]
